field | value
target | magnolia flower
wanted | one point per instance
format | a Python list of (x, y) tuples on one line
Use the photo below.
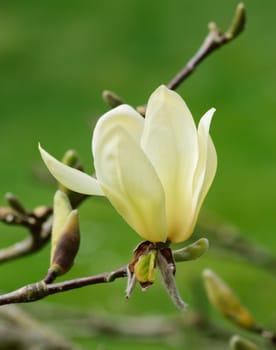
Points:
[(155, 171)]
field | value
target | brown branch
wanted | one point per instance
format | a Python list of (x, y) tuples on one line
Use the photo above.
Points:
[(40, 290), (36, 222), (213, 41), (20, 249)]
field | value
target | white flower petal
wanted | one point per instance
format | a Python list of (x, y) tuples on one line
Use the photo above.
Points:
[(203, 140), (129, 180), (170, 141), (71, 178), (126, 117), (207, 164)]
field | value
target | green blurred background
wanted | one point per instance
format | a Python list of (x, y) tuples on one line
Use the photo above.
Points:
[(56, 57)]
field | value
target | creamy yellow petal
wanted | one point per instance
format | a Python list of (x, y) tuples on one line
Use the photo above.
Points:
[(129, 180), (170, 141), (71, 178), (207, 161), (124, 116), (207, 164)]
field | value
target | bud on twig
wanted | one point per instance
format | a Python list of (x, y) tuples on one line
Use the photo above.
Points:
[(226, 302), (65, 237), (67, 245), (72, 159), (238, 23), (112, 99), (15, 203), (192, 251), (62, 208)]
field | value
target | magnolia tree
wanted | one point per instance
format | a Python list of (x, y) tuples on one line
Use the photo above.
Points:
[(155, 166)]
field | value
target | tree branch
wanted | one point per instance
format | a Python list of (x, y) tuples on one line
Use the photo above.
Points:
[(213, 41), (40, 290), (36, 222)]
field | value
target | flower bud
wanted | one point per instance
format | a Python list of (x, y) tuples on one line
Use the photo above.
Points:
[(71, 159), (192, 251), (238, 23), (225, 301), (65, 235), (111, 99), (62, 208), (67, 245), (15, 203)]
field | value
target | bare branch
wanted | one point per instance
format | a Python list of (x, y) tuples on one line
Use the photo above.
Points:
[(213, 41), (36, 222), (40, 290)]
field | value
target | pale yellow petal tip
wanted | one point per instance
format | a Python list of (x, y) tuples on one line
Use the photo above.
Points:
[(45, 155), (163, 88), (212, 111), (208, 116), (69, 177), (163, 91), (50, 162)]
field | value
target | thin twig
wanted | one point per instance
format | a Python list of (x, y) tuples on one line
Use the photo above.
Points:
[(40, 290), (39, 229), (20, 249), (213, 41)]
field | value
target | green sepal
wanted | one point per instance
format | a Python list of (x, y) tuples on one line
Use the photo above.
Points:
[(144, 268)]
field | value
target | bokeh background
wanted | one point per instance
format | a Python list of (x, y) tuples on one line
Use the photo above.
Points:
[(56, 57)]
